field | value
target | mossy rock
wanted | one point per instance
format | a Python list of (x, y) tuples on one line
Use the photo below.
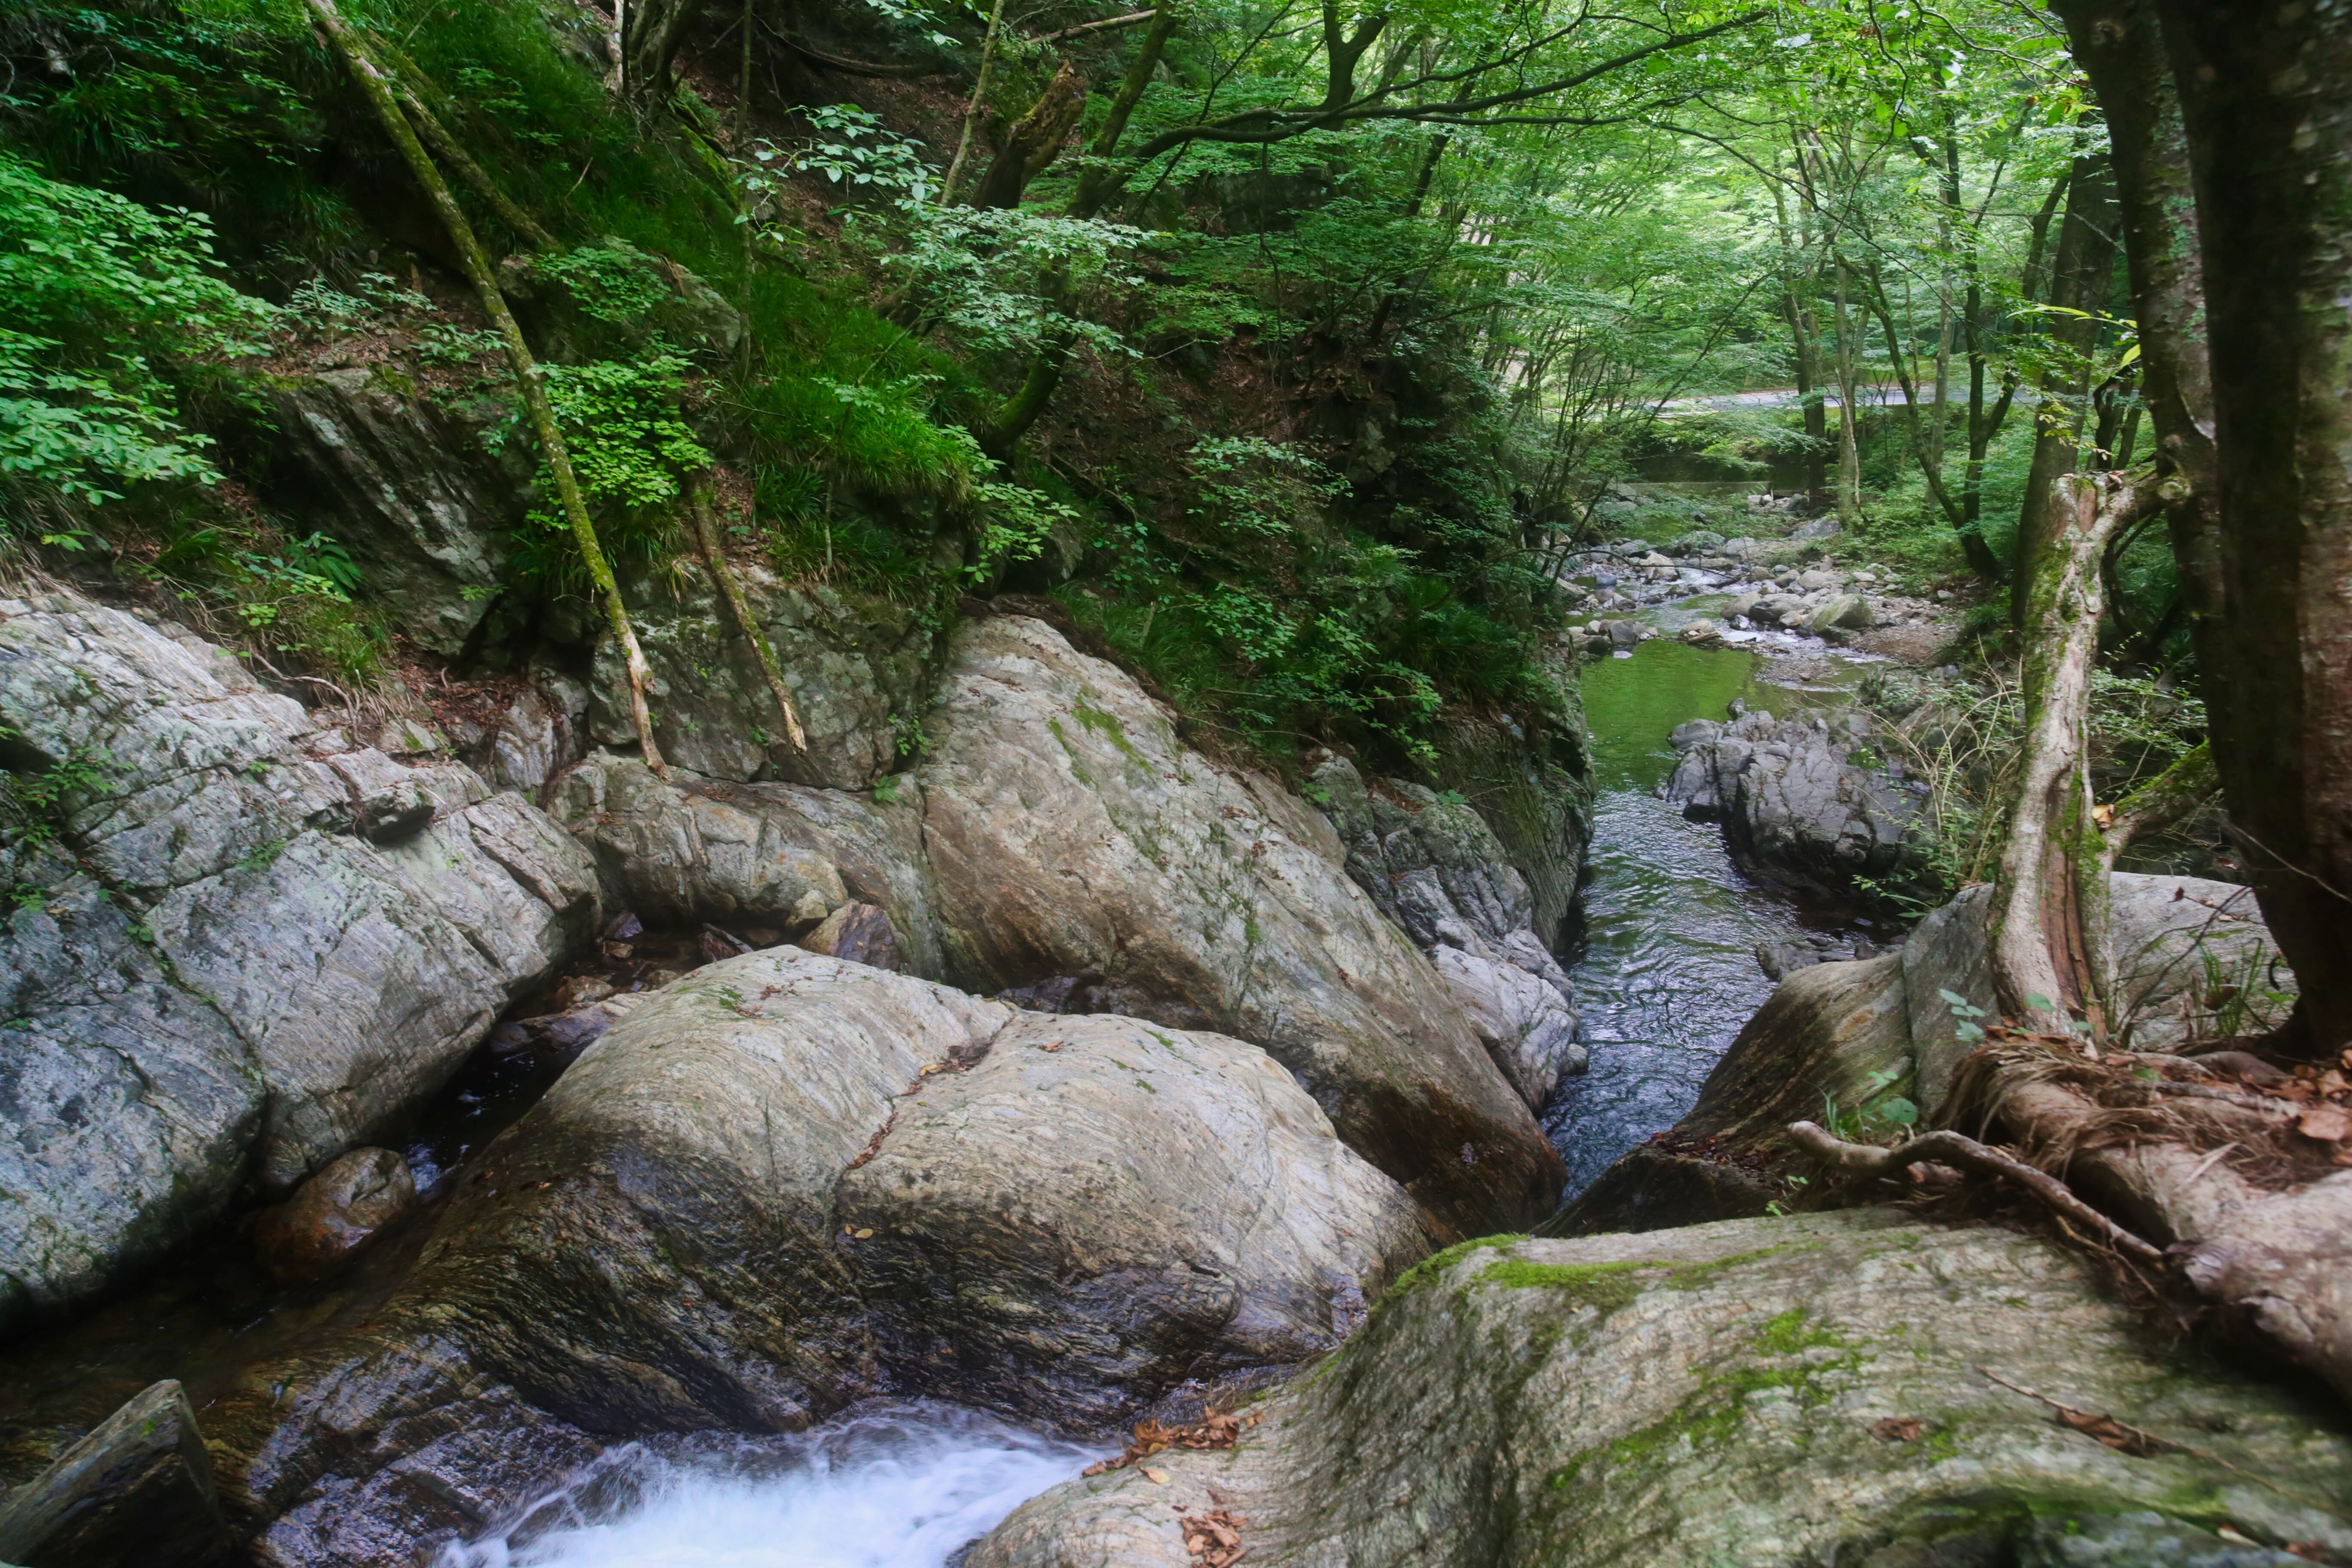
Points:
[(1839, 1388)]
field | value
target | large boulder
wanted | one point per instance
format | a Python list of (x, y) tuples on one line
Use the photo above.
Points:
[(1807, 800), (855, 664), (690, 848), (1842, 1388), (786, 1183), (404, 483), (1101, 1208), (1071, 834), (235, 946), (1440, 874), (2195, 966)]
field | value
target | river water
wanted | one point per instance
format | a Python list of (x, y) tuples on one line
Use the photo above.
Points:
[(1667, 970), (896, 1485)]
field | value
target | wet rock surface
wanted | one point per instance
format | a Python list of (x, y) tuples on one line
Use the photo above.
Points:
[(1808, 798), (910, 1189), (1070, 832), (240, 943), (1830, 1387), (334, 1213), (137, 1489)]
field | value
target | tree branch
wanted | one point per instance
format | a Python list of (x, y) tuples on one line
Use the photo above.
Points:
[(1966, 1154)]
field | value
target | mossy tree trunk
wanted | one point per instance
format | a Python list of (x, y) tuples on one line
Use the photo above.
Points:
[(2049, 904), (1097, 186), (379, 94), (2079, 277)]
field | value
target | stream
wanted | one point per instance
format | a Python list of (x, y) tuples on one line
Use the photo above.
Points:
[(898, 1484), (1667, 970)]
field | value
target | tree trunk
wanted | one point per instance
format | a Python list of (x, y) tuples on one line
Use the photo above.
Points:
[(971, 107), (714, 556), (1097, 186), (2078, 283), (378, 92), (1849, 480), (2264, 95), (1034, 141), (2048, 899)]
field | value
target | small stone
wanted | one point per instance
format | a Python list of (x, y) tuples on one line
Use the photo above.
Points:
[(858, 934), (333, 1215)]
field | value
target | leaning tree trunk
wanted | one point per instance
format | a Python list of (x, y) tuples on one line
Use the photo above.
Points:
[(2049, 911), (2266, 93), (2079, 281), (378, 92)]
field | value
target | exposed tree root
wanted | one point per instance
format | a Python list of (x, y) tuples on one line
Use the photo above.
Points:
[(1966, 1154)]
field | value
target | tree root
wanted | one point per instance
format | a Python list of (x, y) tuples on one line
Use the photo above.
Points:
[(1966, 1154)]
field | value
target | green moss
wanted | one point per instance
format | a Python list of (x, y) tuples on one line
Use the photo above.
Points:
[(1427, 1271), (1106, 725)]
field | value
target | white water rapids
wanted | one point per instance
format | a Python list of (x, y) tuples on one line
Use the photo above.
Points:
[(901, 1485)]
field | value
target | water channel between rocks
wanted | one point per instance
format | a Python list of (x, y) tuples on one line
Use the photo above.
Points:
[(1667, 970), (1666, 973)]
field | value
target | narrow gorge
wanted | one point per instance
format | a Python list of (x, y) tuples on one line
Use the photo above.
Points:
[(903, 785)]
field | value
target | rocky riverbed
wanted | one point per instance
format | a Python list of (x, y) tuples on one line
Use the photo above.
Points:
[(460, 1143)]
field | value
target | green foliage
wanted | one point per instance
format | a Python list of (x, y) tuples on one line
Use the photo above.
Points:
[(1878, 1113), (614, 282), (631, 449), (104, 295)]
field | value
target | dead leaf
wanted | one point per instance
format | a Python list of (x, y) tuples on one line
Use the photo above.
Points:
[(1897, 1428), (2325, 1123), (1156, 1477), (2105, 815), (863, 1234), (2123, 1439), (1215, 1538)]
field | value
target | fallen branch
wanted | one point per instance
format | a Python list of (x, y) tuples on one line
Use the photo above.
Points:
[(706, 530), (1966, 1154), (377, 89)]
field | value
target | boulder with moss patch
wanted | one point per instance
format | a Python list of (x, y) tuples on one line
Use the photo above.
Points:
[(1847, 1388)]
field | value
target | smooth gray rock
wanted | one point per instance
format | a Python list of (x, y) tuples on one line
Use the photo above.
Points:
[(1070, 832), (787, 1183), (210, 971), (1729, 1393), (138, 1488), (1803, 799), (693, 849), (1101, 1208)]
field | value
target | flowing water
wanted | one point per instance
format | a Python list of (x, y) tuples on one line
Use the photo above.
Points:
[(902, 1485), (1667, 970)]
